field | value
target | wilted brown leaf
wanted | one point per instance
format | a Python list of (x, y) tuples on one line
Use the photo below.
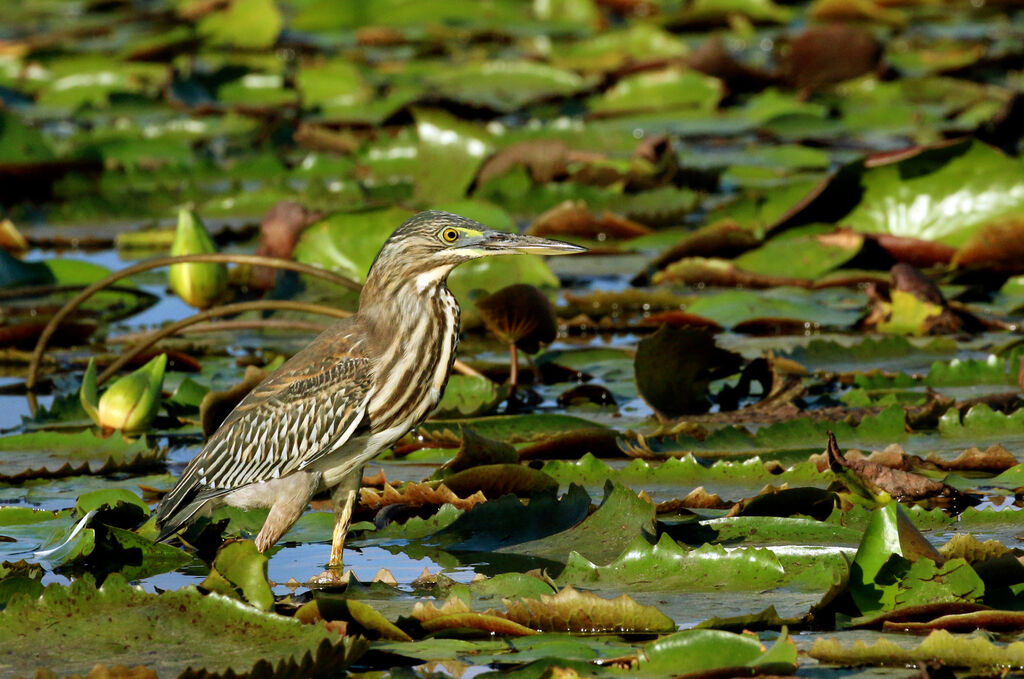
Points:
[(573, 218), (417, 495), (521, 315), (279, 232), (544, 159), (721, 273), (724, 238), (216, 405), (899, 484), (823, 55), (999, 245), (714, 59)]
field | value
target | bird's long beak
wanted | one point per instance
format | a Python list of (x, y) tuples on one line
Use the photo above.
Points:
[(499, 242)]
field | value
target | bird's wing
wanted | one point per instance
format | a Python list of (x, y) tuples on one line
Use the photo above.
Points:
[(308, 407)]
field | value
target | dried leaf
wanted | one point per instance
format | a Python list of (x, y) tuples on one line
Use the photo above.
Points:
[(417, 495)]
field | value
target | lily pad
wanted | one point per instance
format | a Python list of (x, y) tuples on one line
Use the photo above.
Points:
[(115, 623), (47, 454)]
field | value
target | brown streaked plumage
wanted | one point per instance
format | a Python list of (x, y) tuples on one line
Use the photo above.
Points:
[(357, 388)]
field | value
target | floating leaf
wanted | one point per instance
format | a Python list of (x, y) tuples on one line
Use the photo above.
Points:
[(575, 611), (240, 571), (956, 651), (114, 624), (57, 454), (675, 366)]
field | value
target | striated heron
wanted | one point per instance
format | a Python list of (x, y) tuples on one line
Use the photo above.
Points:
[(313, 423)]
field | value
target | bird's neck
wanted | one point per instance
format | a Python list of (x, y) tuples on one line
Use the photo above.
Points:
[(411, 290)]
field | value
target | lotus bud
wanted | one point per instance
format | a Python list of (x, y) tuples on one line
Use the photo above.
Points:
[(200, 284), (131, 403)]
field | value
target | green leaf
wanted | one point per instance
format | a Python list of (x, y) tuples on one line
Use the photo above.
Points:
[(248, 24), (116, 624), (669, 89), (575, 611), (703, 650), (602, 536), (240, 571), (469, 396), (348, 242), (48, 454), (505, 85), (943, 194), (907, 314), (801, 256), (951, 650), (881, 542), (450, 151)]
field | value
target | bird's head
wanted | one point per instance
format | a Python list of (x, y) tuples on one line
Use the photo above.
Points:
[(426, 247)]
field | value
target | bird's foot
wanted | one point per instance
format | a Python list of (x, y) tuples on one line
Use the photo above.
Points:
[(332, 576)]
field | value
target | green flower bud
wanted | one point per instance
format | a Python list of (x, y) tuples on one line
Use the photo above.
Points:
[(200, 284), (131, 403)]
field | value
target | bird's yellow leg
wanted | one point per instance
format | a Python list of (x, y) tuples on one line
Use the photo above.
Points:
[(344, 498)]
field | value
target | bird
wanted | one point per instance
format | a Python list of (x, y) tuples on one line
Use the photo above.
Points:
[(312, 425)]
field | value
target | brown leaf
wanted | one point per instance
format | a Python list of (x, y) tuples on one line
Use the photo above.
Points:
[(279, 233), (999, 245), (599, 442), (994, 460), (710, 271), (823, 55), (900, 484), (724, 238), (544, 159), (913, 251), (908, 279), (714, 59), (217, 405), (417, 495), (573, 218), (965, 622), (520, 314)]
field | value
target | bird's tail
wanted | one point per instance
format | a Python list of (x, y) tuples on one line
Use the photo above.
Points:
[(178, 508)]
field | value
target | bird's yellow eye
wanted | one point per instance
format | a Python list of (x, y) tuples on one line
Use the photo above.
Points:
[(449, 235)]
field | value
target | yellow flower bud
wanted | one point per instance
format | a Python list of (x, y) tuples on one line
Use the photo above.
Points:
[(200, 284)]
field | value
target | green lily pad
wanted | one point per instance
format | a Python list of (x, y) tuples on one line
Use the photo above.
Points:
[(506, 86), (47, 454), (945, 194), (670, 89), (450, 151), (247, 24), (116, 624)]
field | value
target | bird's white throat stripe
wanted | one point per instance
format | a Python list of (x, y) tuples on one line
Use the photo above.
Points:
[(430, 280)]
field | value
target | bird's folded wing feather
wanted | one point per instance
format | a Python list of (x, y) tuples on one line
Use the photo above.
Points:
[(301, 413)]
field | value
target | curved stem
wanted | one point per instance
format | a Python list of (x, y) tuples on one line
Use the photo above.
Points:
[(223, 326), (224, 310), (189, 324), (219, 257)]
